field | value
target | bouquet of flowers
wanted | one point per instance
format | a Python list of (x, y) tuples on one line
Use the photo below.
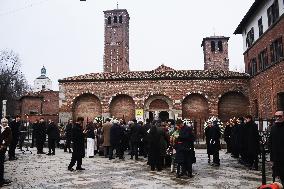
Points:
[(214, 119), (188, 122)]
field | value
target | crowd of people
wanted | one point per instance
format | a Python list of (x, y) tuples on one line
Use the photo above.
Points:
[(165, 144)]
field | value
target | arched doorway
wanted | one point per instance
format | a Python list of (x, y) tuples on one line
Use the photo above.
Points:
[(158, 106), (87, 106), (232, 104), (122, 107), (195, 107)]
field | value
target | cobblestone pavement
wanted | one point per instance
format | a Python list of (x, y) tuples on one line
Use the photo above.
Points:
[(42, 171)]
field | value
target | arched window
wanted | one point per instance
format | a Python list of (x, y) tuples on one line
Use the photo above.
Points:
[(220, 46), (115, 19), (213, 46), (109, 20), (120, 19)]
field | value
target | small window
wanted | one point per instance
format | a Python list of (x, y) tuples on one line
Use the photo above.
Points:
[(220, 46), (109, 20), (120, 19), (213, 46), (250, 37), (280, 101), (276, 50), (254, 66), (43, 87), (115, 19), (273, 13), (263, 59), (260, 26)]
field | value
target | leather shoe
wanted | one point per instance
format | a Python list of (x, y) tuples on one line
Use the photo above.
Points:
[(70, 169)]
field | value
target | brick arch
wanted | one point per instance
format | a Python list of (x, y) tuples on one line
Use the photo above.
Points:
[(195, 106), (122, 107), (232, 104), (155, 101), (87, 106), (159, 104)]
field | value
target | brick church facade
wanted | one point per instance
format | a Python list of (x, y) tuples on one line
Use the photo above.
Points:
[(163, 92), (167, 93)]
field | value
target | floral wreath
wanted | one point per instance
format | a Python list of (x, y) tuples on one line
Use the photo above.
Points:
[(188, 122), (211, 120)]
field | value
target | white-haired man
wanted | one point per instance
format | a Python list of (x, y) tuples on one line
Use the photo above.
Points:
[(5, 140)]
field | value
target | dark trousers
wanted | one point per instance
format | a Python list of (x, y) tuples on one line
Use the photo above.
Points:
[(33, 140), (39, 145), (68, 144), (229, 146), (134, 150), (51, 145), (119, 151), (75, 159), (107, 151), (216, 157), (2, 157), (157, 164), (12, 148), (253, 160), (21, 140)]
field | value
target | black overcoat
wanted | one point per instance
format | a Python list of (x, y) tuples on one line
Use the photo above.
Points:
[(277, 149), (52, 132), (185, 145), (40, 132), (78, 141), (253, 139)]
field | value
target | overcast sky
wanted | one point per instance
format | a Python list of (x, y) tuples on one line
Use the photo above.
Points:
[(67, 36)]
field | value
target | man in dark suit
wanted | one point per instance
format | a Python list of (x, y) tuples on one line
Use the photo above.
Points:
[(276, 145), (15, 126), (78, 145), (40, 135)]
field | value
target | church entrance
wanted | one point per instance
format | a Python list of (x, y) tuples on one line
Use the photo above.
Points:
[(163, 115)]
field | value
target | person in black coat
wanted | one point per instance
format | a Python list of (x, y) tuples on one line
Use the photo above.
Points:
[(34, 126), (276, 145), (207, 136), (154, 149), (53, 134), (135, 137), (15, 125), (68, 134), (145, 129), (116, 135), (78, 145), (252, 142), (214, 142), (184, 150), (40, 135), (228, 136)]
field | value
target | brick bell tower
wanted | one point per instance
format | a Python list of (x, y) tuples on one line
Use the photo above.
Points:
[(116, 45), (215, 51)]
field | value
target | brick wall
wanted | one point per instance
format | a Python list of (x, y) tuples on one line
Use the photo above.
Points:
[(122, 107), (266, 84), (264, 42), (233, 105), (29, 104), (50, 102), (264, 88), (87, 106), (141, 91), (159, 104)]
